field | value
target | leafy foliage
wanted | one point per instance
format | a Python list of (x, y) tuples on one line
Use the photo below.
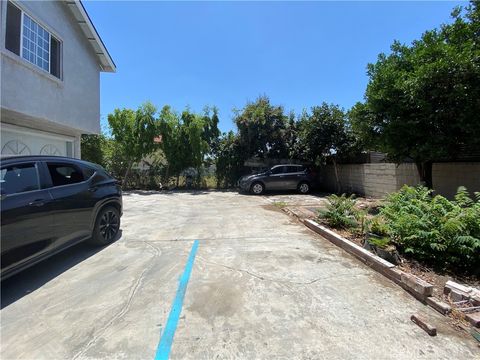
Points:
[(435, 230), (211, 133), (341, 212), (170, 128), (261, 129), (93, 148), (187, 139), (229, 160), (422, 100), (323, 133), (191, 140), (133, 133), (378, 226), (381, 242)]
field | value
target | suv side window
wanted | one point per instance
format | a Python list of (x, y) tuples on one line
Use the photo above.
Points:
[(278, 170), (293, 169), (64, 174), (19, 178), (87, 172)]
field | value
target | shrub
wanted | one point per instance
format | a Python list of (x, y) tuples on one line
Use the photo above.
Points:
[(341, 212), (435, 230), (382, 242), (378, 226)]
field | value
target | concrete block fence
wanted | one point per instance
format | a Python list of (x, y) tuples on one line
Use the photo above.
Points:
[(378, 179)]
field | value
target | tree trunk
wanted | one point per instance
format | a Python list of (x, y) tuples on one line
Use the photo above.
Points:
[(425, 172), (199, 178), (337, 179), (178, 180), (167, 177), (124, 182)]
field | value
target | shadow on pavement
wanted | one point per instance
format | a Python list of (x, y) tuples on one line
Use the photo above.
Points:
[(175, 191), (315, 193), (32, 278)]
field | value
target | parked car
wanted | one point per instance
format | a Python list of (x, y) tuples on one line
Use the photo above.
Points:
[(279, 177), (50, 203)]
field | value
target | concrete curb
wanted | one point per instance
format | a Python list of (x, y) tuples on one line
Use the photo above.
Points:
[(440, 306), (419, 288)]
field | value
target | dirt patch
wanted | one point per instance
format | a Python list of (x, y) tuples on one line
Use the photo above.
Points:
[(271, 207)]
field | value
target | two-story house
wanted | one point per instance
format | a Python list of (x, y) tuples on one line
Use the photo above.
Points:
[(51, 59)]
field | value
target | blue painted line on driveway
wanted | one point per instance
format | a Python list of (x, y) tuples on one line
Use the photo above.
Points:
[(165, 344)]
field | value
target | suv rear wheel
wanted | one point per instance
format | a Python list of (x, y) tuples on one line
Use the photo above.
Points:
[(303, 187), (257, 188), (106, 226)]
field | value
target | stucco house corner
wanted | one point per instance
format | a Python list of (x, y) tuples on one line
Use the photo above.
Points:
[(51, 59)]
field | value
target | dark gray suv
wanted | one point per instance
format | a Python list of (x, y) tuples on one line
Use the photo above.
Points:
[(49, 203), (279, 177)]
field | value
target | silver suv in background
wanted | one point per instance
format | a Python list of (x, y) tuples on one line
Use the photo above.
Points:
[(279, 177)]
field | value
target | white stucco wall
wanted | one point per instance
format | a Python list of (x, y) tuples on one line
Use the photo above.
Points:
[(72, 102)]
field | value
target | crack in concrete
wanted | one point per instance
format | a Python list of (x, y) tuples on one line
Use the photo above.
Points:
[(216, 239), (280, 281), (133, 291)]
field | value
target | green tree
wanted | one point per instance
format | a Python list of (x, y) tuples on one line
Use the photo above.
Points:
[(423, 100), (229, 160), (193, 130), (170, 128), (134, 133), (324, 134), (93, 148), (187, 139), (291, 137), (211, 133), (261, 129)]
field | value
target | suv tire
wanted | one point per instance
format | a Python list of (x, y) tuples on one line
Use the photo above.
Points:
[(106, 227), (304, 187), (257, 188)]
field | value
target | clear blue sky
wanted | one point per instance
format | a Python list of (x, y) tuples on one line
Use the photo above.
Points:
[(226, 53)]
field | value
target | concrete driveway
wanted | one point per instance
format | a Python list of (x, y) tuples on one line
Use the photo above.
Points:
[(262, 287)]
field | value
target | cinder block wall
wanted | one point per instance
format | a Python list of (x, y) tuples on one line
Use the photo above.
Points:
[(447, 177), (379, 179)]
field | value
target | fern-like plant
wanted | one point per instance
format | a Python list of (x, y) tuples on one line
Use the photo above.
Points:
[(341, 212), (436, 230)]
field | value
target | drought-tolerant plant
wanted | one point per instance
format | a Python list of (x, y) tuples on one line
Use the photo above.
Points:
[(434, 229), (378, 226), (362, 220), (381, 242), (280, 204), (341, 212)]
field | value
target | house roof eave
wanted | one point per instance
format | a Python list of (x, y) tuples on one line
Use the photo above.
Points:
[(83, 20)]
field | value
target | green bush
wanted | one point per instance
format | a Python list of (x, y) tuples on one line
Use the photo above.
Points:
[(382, 242), (378, 226), (435, 230), (341, 212)]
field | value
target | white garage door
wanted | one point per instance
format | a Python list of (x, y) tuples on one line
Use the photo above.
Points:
[(21, 141)]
